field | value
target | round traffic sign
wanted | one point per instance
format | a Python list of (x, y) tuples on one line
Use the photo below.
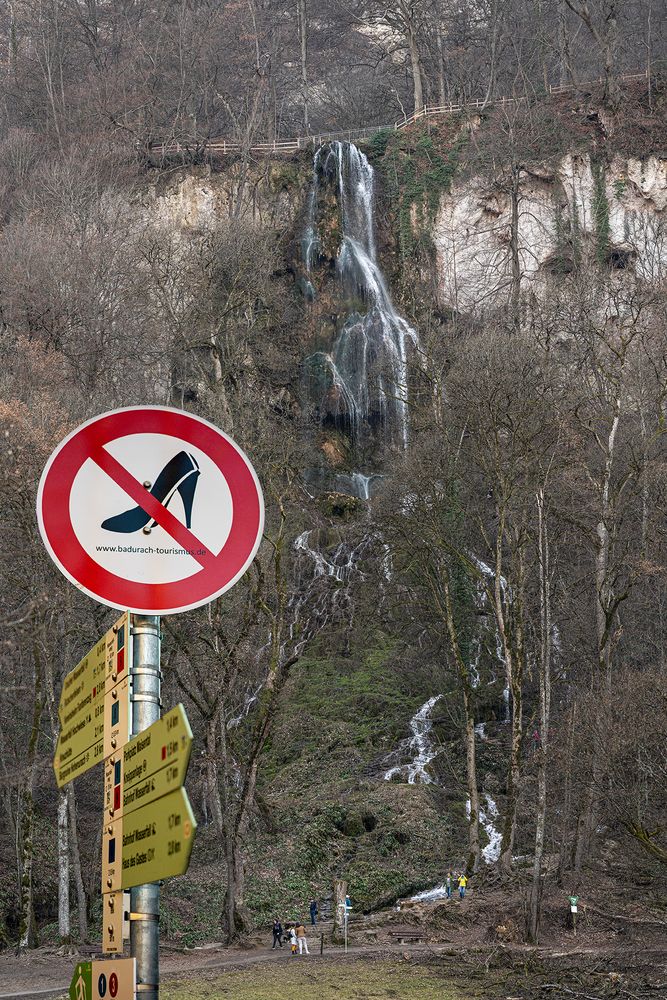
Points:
[(151, 509)]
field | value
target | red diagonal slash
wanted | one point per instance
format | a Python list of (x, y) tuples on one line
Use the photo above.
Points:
[(145, 499)]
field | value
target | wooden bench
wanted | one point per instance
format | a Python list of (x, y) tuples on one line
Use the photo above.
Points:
[(407, 936)]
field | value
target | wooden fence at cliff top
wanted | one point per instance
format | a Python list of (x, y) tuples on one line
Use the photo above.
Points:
[(223, 147)]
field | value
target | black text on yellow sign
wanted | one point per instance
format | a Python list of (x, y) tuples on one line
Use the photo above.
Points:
[(148, 844), (81, 708)]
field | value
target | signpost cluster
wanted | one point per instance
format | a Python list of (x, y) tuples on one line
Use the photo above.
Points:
[(109, 518)]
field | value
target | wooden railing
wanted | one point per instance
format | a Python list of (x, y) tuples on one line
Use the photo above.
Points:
[(223, 147)]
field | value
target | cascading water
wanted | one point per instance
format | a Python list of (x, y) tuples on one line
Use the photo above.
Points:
[(487, 819), (363, 379), (419, 745)]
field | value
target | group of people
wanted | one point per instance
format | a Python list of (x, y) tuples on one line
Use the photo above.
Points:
[(295, 932), (462, 883)]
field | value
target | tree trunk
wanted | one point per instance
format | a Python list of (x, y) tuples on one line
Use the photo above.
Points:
[(64, 930), (442, 88), (468, 705), (606, 605), (612, 90), (513, 652), (545, 705), (515, 295), (473, 794), (339, 897), (212, 785), (81, 901), (564, 859), (566, 73), (605, 597), (417, 71), (62, 827), (27, 929), (303, 32)]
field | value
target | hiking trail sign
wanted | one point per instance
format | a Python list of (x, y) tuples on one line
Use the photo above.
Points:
[(151, 509), (151, 765), (112, 979), (81, 710), (151, 843)]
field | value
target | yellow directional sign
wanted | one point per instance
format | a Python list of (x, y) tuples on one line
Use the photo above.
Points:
[(155, 761), (81, 708), (151, 843), (67, 767)]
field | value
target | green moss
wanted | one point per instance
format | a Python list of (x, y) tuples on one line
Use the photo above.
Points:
[(620, 187), (416, 173), (600, 212), (377, 144)]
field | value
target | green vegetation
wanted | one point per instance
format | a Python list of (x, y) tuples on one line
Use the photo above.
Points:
[(620, 186), (600, 212), (350, 980), (339, 719), (416, 171)]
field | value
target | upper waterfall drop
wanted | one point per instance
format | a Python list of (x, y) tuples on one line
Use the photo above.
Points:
[(363, 377)]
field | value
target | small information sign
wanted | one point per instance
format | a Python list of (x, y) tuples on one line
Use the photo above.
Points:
[(111, 979)]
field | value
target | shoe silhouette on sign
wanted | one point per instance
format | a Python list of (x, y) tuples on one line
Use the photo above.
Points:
[(179, 475)]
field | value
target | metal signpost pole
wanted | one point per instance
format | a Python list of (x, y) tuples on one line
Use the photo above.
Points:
[(145, 899)]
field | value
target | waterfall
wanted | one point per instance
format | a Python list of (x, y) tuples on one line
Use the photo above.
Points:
[(419, 745), (362, 379), (487, 818), (342, 563), (480, 600), (357, 484)]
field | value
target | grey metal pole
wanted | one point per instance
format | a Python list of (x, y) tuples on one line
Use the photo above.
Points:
[(146, 709)]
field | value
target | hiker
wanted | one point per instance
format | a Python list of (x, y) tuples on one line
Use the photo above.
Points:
[(301, 938), (313, 912), (463, 881), (448, 884), (277, 933)]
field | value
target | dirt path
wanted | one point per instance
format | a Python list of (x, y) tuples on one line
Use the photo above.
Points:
[(46, 973)]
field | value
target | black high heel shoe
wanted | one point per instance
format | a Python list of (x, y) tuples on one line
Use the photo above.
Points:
[(180, 474)]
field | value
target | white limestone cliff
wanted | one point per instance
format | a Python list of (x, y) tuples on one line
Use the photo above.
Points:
[(557, 209)]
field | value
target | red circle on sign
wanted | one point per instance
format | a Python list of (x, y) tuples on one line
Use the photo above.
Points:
[(219, 571), (113, 984)]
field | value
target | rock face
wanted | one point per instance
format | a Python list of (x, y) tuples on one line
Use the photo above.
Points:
[(199, 198), (614, 214), (569, 212)]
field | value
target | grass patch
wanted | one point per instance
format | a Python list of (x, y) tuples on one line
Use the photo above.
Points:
[(287, 978)]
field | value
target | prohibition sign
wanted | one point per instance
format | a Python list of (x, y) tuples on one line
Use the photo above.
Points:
[(150, 509)]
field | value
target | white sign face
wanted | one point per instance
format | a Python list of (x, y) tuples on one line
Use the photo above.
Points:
[(150, 554), (150, 509)]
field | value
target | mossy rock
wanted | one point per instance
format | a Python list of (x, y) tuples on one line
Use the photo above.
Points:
[(340, 505)]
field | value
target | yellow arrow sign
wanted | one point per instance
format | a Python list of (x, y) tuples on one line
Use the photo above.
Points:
[(151, 843), (155, 761), (81, 707)]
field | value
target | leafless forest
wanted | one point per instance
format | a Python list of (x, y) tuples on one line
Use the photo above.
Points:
[(520, 536)]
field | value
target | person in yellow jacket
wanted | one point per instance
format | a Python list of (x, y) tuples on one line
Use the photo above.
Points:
[(463, 881)]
